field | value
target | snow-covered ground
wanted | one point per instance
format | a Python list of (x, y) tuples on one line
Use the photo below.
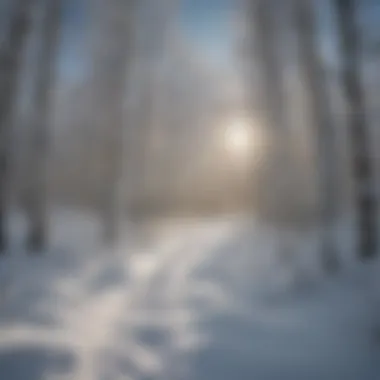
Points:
[(198, 300)]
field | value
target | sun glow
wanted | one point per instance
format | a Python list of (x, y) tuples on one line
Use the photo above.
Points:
[(238, 137)]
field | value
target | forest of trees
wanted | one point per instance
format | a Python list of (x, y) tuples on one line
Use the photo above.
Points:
[(322, 119), (130, 106)]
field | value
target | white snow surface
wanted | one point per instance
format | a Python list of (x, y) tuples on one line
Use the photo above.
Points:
[(192, 299)]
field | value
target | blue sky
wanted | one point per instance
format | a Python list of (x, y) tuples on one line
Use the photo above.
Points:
[(72, 34), (208, 22), (205, 22)]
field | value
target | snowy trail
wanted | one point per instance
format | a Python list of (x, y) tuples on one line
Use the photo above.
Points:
[(203, 302), (155, 321)]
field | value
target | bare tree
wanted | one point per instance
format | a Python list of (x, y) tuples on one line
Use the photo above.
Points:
[(112, 21), (40, 112), (138, 148), (11, 48), (266, 55), (323, 127), (364, 186)]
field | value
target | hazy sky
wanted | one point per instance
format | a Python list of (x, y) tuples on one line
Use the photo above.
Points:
[(208, 22), (205, 23)]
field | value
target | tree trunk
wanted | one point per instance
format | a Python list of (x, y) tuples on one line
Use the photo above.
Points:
[(266, 55), (112, 21), (143, 129), (274, 184), (323, 127), (11, 49), (41, 108), (364, 187)]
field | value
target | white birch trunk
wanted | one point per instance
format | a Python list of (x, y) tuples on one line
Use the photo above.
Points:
[(112, 20), (323, 128), (11, 48)]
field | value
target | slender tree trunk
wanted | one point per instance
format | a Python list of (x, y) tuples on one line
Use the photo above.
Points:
[(323, 127), (112, 21), (272, 107), (143, 138), (266, 56), (40, 117), (11, 50), (364, 186)]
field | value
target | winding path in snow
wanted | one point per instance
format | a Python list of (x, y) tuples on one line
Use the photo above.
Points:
[(202, 303)]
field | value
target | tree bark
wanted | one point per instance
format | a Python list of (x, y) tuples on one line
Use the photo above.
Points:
[(41, 107), (266, 54), (364, 187), (11, 50), (274, 184), (113, 28), (323, 127)]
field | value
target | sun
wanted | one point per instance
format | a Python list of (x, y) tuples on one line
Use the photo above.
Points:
[(237, 137)]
